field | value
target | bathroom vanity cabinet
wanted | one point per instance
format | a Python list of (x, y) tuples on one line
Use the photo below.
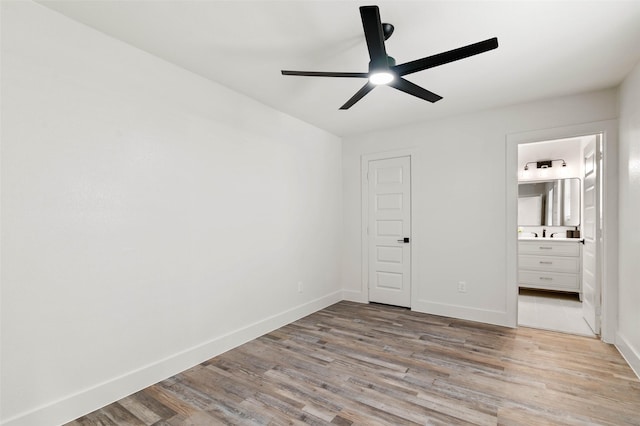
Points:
[(550, 264)]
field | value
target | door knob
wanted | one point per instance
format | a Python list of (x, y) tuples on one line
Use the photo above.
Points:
[(404, 240)]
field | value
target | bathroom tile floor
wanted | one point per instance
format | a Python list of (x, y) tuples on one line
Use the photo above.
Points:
[(552, 311)]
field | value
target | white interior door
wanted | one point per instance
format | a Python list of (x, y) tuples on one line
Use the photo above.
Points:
[(389, 231), (591, 281)]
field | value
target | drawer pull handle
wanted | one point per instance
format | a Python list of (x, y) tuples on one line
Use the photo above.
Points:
[(546, 263), (545, 248), (546, 278)]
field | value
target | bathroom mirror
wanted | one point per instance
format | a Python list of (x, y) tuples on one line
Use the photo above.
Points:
[(549, 203)]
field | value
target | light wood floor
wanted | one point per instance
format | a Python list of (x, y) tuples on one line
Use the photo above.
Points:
[(371, 364)]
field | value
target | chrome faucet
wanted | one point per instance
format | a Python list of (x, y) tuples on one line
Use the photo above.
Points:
[(551, 236)]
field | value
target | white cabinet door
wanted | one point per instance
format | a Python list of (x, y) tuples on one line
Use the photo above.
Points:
[(390, 231)]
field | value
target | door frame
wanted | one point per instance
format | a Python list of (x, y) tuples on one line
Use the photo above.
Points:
[(609, 257), (364, 214)]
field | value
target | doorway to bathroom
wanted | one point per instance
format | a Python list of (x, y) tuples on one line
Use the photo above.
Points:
[(558, 203), (563, 259)]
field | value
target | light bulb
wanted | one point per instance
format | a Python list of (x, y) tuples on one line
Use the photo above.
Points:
[(383, 77)]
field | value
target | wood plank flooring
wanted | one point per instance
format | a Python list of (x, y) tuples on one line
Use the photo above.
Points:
[(379, 365)]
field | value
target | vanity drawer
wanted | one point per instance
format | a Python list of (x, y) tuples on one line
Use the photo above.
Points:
[(550, 263), (547, 248), (549, 280)]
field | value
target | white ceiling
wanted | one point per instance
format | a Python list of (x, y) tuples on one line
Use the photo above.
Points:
[(547, 48)]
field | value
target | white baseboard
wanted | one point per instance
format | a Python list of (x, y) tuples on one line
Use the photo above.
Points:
[(88, 400), (629, 353), (462, 312), (442, 309), (354, 296)]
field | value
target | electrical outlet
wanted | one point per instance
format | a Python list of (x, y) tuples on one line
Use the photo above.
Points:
[(299, 286), (462, 286)]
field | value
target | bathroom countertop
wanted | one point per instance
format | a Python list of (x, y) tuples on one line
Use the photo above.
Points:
[(528, 238)]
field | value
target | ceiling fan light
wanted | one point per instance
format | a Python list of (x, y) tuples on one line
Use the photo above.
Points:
[(383, 77)]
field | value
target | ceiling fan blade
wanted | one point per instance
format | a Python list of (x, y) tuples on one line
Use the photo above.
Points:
[(413, 89), (359, 95), (446, 57), (375, 36), (326, 74)]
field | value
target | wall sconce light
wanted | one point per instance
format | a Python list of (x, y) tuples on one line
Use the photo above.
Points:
[(544, 164)]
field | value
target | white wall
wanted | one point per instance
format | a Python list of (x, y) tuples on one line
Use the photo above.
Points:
[(150, 218), (628, 338), (460, 205)]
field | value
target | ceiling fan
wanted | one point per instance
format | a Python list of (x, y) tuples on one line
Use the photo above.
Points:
[(383, 68)]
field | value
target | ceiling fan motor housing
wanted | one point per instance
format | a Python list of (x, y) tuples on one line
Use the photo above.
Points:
[(391, 62)]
